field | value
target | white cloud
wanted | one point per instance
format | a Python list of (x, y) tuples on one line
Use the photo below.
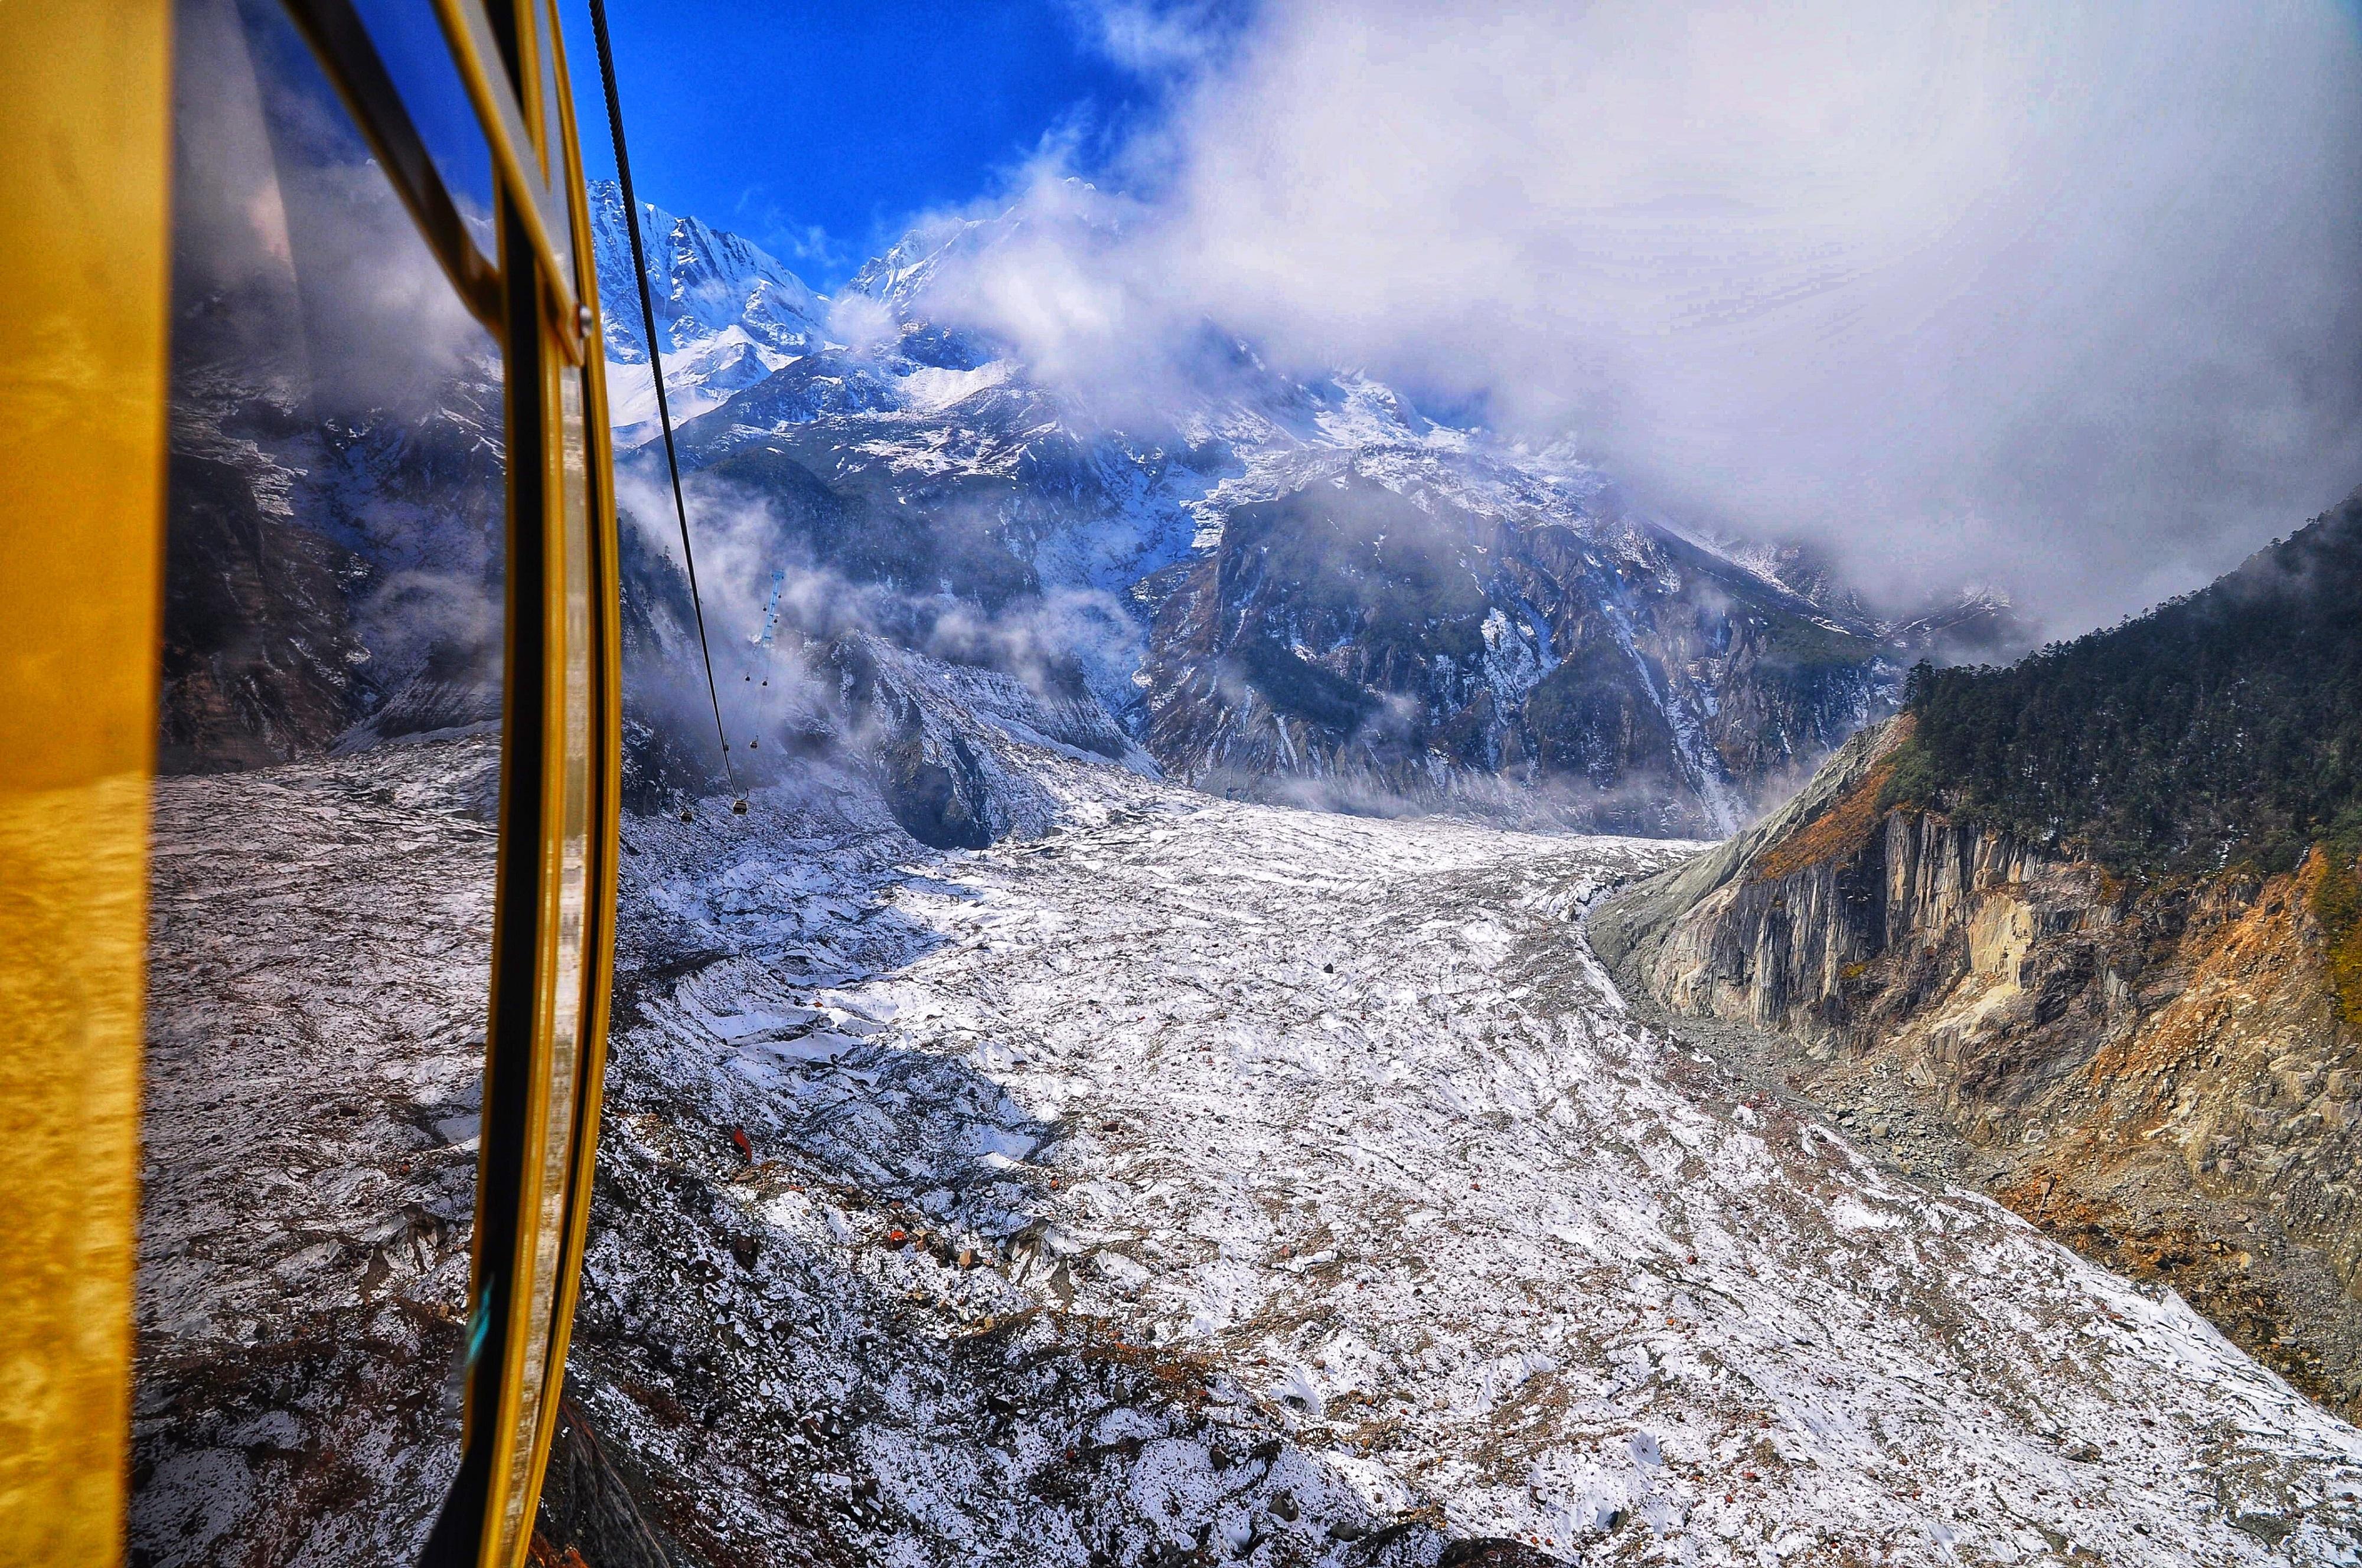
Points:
[(1156, 37), (2062, 295)]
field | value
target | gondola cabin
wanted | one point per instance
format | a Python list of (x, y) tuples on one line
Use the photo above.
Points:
[(308, 769)]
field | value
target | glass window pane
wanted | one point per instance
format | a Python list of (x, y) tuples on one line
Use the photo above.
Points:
[(545, 42), (322, 871), (553, 160), (411, 40)]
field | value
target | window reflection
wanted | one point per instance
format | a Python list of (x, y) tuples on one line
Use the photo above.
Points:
[(409, 39), (552, 111), (322, 871)]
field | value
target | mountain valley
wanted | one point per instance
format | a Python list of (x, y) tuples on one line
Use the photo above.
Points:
[(1295, 590), (1034, 1137)]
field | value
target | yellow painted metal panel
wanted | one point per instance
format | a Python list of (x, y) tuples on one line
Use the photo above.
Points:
[(83, 224), (591, 488)]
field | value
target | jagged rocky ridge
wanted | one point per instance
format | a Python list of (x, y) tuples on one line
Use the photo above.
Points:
[(1296, 588), (1301, 589), (2161, 1067)]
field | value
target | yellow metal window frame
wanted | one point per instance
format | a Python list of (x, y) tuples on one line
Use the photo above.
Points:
[(83, 358)]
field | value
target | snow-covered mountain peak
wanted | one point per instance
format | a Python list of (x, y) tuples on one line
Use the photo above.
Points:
[(901, 274), (704, 281), (936, 251), (1315, 579)]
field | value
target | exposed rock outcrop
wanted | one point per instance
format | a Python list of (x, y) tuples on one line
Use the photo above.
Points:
[(1419, 646), (2160, 1075)]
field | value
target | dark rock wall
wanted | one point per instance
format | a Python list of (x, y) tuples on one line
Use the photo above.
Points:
[(1348, 632)]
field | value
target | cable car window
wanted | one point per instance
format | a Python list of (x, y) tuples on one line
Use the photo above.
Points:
[(551, 108), (322, 882), (409, 41)]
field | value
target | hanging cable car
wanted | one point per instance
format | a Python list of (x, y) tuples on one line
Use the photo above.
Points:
[(309, 742)]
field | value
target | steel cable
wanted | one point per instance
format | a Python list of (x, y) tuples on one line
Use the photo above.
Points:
[(656, 371)]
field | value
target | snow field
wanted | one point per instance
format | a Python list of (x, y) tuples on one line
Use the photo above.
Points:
[(1341, 1117)]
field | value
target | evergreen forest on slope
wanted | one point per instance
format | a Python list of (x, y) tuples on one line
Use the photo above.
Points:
[(2221, 729)]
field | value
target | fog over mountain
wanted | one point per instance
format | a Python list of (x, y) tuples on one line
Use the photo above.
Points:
[(1285, 586), (1725, 366), (2059, 297)]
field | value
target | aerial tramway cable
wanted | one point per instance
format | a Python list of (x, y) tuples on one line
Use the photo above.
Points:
[(655, 372)]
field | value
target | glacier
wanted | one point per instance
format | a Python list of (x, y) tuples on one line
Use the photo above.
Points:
[(1170, 1179)]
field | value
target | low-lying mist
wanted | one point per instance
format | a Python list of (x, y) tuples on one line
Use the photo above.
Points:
[(796, 637)]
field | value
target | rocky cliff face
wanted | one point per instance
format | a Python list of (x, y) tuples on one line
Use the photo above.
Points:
[(1349, 635), (2162, 1075)]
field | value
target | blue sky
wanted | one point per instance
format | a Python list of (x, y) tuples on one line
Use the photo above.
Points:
[(817, 130)]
